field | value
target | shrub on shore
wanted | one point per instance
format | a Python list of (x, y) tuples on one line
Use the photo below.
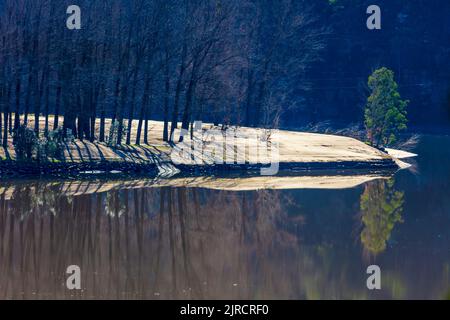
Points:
[(53, 145), (24, 142)]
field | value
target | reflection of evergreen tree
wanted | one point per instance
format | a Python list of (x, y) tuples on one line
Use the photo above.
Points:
[(381, 207)]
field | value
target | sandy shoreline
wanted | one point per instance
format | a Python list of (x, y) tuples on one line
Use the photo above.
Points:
[(296, 151)]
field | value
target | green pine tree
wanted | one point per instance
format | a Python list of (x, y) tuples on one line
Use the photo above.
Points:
[(385, 113)]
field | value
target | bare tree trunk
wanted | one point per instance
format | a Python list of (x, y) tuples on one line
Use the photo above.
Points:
[(17, 111), (123, 95), (131, 113), (46, 107), (146, 128), (57, 108), (102, 123), (248, 120), (261, 93), (37, 92), (93, 118), (116, 100), (6, 117), (141, 120), (144, 110), (174, 124), (124, 90), (37, 106), (187, 108), (5, 128), (28, 96), (166, 98), (10, 124)]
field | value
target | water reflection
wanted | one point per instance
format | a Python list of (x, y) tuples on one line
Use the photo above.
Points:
[(193, 243), (143, 243), (381, 208)]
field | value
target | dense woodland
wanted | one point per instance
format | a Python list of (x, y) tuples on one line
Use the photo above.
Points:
[(222, 61), (237, 62)]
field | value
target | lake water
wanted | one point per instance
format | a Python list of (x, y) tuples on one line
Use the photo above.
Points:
[(194, 243)]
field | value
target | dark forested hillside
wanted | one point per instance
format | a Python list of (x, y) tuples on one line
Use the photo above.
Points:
[(414, 42), (267, 63)]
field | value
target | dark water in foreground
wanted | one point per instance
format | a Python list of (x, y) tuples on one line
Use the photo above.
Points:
[(195, 243)]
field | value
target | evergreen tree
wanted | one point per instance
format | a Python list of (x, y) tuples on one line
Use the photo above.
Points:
[(385, 114)]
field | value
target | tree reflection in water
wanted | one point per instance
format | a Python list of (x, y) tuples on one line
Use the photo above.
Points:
[(141, 243), (381, 208), (186, 243)]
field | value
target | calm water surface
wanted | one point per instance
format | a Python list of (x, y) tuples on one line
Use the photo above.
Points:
[(182, 243)]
